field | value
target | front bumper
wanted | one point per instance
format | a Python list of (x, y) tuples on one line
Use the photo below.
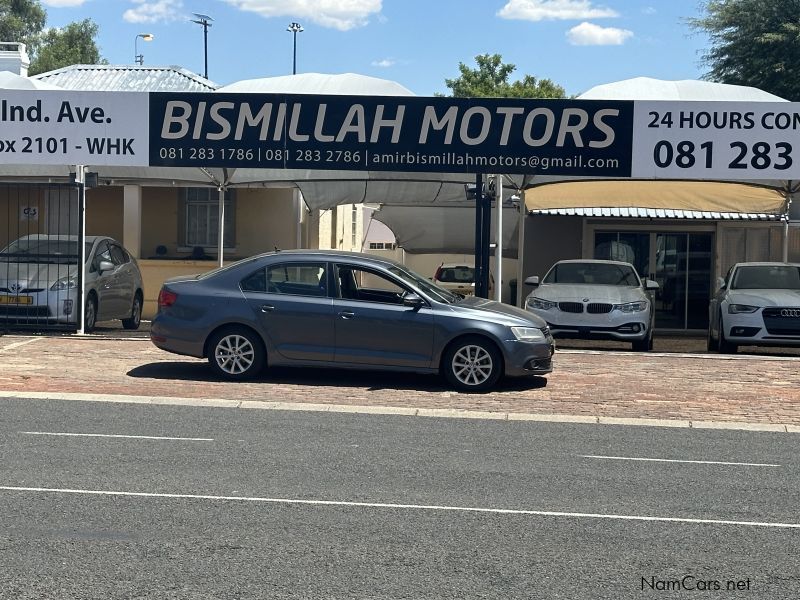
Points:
[(43, 306), (765, 327), (616, 325), (528, 358)]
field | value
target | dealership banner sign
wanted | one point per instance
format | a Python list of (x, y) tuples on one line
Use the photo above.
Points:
[(582, 138)]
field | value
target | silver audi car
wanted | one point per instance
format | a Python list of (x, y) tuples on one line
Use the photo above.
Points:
[(595, 299), (349, 310), (757, 304)]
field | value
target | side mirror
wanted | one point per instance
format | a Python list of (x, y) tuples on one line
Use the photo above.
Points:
[(720, 283), (105, 265), (649, 284), (533, 280), (413, 301)]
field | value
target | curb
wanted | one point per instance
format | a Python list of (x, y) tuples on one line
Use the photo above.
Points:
[(402, 411)]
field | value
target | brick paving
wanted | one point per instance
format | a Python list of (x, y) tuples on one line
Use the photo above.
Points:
[(603, 379)]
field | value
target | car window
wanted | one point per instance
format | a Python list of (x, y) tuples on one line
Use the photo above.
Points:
[(456, 274), (766, 277), (367, 285), (102, 252), (592, 274), (118, 256), (294, 279)]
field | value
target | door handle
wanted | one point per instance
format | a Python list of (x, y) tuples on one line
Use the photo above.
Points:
[(346, 314), (265, 308)]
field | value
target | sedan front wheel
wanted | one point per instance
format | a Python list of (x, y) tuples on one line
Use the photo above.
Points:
[(472, 365), (236, 353)]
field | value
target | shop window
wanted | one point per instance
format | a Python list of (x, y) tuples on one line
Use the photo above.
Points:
[(201, 218)]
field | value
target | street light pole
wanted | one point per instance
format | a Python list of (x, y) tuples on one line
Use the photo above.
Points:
[(204, 21), (295, 28), (139, 58)]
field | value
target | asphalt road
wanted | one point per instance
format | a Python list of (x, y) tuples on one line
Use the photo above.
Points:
[(225, 503)]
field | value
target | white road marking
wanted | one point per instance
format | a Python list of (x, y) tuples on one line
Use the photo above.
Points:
[(670, 460), (110, 435), (468, 509), (18, 344)]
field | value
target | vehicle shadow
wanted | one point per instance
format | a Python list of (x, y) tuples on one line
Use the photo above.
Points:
[(326, 377)]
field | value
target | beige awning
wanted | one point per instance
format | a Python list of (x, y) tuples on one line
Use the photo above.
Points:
[(707, 196)]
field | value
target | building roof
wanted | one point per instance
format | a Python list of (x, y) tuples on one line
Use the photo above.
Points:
[(656, 213), (127, 78)]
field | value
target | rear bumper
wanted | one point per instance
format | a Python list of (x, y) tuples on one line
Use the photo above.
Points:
[(176, 340)]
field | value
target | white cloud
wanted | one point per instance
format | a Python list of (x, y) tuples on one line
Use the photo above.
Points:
[(62, 3), (384, 63), (159, 11), (649, 10), (554, 10), (337, 14), (589, 34)]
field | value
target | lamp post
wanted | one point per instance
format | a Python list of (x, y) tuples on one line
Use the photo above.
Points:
[(295, 28), (139, 58), (204, 21)]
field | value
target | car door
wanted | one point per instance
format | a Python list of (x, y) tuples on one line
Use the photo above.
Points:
[(372, 325), (107, 299), (124, 281), (291, 305)]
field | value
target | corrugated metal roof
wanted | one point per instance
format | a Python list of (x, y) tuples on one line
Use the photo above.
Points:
[(127, 78), (652, 213)]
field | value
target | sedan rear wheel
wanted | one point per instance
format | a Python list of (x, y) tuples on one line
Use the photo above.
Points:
[(472, 365), (236, 353), (135, 319)]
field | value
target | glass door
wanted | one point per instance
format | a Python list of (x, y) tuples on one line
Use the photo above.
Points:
[(681, 264)]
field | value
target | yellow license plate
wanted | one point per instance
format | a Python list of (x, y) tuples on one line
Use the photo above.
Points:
[(16, 299)]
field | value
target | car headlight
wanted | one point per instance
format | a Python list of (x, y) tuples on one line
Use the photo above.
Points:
[(540, 304), (65, 283), (630, 307), (736, 309), (528, 334)]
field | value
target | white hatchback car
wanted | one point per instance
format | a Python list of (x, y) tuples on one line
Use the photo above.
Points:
[(758, 304), (595, 299)]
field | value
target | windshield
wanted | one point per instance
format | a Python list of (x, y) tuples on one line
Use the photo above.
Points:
[(431, 289), (593, 274), (767, 277), (458, 274), (49, 251)]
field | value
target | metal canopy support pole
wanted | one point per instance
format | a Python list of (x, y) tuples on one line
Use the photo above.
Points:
[(523, 214), (221, 234), (80, 179), (486, 223), (785, 253), (478, 232), (498, 247)]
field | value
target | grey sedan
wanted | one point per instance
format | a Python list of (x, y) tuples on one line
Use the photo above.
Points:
[(349, 310)]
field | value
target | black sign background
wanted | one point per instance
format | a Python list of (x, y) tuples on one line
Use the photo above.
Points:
[(476, 144)]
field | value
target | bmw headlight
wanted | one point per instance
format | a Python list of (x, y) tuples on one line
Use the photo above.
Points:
[(528, 334), (736, 309), (631, 307), (65, 283), (540, 304)]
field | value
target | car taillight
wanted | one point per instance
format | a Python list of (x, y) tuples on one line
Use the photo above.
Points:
[(166, 298)]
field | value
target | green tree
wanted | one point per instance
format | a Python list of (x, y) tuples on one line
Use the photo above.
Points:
[(753, 42), (24, 21), (70, 45), (491, 80)]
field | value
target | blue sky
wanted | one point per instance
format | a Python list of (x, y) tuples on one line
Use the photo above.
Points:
[(576, 43)]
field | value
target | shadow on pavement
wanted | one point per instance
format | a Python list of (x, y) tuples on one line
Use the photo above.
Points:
[(324, 377)]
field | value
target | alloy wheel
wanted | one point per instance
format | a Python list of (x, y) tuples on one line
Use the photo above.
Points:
[(234, 354), (472, 365)]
